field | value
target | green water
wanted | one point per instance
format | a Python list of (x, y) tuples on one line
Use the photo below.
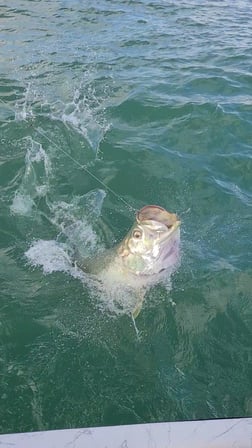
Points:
[(154, 98)]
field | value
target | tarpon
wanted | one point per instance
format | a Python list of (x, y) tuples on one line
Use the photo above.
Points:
[(147, 255)]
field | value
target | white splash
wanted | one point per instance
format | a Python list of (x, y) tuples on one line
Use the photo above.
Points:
[(84, 111), (86, 121), (73, 222), (23, 108), (52, 256), (22, 204), (35, 181)]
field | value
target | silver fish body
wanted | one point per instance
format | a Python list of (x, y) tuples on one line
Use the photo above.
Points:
[(147, 255)]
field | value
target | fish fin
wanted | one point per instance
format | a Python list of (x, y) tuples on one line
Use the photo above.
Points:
[(136, 311)]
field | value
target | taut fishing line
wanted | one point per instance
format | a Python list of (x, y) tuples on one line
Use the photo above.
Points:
[(39, 131)]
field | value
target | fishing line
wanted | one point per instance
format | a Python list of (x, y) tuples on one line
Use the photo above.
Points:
[(39, 131), (185, 212), (136, 329), (85, 169)]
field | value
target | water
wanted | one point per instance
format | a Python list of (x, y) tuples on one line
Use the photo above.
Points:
[(154, 98)]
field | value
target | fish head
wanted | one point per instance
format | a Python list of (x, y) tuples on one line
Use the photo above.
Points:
[(149, 246)]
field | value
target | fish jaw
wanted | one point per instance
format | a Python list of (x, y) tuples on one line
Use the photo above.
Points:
[(170, 252)]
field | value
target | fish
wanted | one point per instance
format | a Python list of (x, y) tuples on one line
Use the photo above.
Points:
[(147, 255)]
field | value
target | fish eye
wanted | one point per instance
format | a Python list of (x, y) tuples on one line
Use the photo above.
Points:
[(137, 234)]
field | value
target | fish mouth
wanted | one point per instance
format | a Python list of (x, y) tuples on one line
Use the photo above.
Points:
[(158, 214)]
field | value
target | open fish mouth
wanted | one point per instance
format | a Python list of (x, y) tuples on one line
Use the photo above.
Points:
[(151, 213)]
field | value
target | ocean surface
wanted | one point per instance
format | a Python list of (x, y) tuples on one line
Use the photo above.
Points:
[(105, 107)]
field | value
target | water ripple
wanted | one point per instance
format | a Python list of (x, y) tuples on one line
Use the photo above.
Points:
[(233, 189)]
